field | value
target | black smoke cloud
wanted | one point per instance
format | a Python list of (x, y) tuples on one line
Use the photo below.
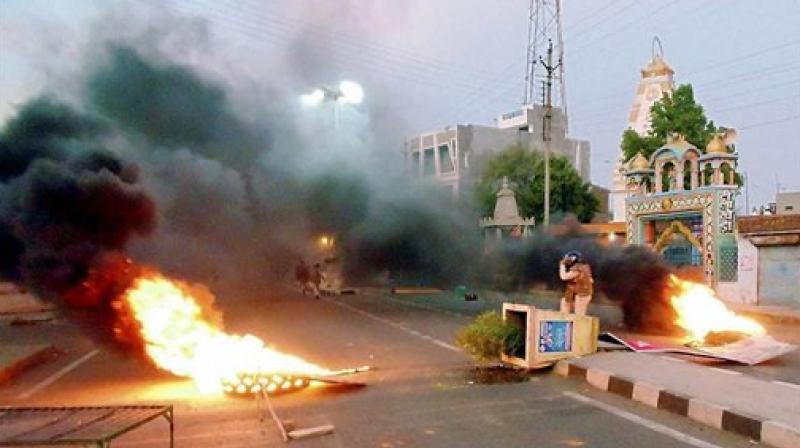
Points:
[(238, 199), (66, 202), (171, 107), (633, 276)]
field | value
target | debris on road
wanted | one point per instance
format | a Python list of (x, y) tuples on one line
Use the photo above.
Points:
[(411, 290), (750, 351), (287, 427)]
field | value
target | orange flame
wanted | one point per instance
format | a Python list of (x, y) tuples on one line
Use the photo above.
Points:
[(701, 312), (181, 336)]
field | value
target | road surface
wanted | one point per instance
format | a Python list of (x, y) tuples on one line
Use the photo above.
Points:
[(419, 395)]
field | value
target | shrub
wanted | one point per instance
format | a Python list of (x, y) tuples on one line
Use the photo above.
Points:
[(488, 336)]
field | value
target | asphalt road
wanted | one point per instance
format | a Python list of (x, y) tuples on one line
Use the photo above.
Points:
[(419, 395)]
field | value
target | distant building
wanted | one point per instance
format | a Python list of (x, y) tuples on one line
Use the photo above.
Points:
[(603, 213), (769, 260), (656, 81), (787, 203), (455, 156)]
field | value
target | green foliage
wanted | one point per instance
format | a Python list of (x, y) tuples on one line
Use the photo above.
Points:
[(633, 143), (678, 112), (488, 336), (525, 171)]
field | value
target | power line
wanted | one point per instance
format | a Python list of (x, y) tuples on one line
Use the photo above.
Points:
[(770, 122), (392, 70), (239, 22), (756, 104), (740, 58)]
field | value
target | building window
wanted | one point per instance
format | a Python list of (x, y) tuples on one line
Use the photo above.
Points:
[(429, 162), (445, 162), (788, 208)]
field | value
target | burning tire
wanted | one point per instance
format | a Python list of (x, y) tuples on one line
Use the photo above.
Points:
[(248, 384)]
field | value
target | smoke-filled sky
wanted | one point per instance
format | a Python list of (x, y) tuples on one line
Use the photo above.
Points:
[(429, 64), (150, 136)]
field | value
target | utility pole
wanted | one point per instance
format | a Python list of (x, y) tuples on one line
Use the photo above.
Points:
[(547, 117)]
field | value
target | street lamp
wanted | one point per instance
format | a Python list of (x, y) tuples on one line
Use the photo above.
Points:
[(348, 92)]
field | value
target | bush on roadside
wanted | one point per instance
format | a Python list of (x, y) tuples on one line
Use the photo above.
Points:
[(488, 336)]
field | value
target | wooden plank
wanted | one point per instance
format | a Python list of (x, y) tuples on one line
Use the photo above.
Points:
[(311, 432)]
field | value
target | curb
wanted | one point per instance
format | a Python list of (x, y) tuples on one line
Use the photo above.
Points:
[(776, 434), (26, 362)]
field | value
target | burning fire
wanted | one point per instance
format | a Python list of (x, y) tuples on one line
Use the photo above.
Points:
[(184, 337), (700, 312)]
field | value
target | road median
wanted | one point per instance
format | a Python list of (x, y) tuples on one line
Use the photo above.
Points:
[(763, 411)]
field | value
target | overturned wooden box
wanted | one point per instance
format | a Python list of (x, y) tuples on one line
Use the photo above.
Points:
[(549, 335)]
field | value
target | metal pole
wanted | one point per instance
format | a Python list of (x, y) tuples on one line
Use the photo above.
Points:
[(336, 116), (561, 77), (546, 119), (171, 418)]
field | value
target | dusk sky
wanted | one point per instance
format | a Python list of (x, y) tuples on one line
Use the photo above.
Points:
[(435, 63)]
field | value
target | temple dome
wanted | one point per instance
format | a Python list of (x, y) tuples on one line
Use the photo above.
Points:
[(716, 146), (639, 162)]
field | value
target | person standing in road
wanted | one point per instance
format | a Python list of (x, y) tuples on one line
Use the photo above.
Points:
[(579, 283)]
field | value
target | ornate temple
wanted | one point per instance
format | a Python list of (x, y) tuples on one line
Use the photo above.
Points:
[(681, 202), (506, 221), (656, 81)]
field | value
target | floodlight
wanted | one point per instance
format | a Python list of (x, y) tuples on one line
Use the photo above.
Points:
[(351, 92)]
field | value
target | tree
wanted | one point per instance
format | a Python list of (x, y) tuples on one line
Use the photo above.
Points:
[(525, 171), (677, 112)]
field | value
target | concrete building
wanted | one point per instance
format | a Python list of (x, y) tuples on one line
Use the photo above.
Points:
[(455, 155), (787, 203), (656, 81), (769, 261)]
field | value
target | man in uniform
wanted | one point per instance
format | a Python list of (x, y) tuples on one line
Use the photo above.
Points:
[(579, 283)]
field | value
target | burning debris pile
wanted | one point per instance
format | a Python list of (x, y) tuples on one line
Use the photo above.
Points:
[(706, 320), (183, 335)]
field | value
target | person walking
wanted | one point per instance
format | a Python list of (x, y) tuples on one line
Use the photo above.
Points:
[(302, 275), (315, 279)]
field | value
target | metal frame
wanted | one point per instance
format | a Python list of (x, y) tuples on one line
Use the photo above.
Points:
[(104, 441)]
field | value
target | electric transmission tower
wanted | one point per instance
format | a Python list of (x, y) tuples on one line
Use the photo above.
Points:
[(544, 26)]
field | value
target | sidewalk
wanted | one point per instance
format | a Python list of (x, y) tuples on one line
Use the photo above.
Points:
[(761, 410)]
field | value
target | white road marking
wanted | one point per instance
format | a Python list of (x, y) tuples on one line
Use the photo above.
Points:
[(657, 427), (787, 384), (423, 307), (729, 372), (56, 376), (399, 326), (672, 358)]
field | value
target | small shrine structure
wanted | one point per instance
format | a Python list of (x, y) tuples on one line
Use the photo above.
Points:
[(681, 203), (506, 221)]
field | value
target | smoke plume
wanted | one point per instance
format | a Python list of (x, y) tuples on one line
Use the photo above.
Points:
[(241, 184)]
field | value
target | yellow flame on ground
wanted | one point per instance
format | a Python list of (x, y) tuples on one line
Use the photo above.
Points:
[(701, 312), (181, 339)]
